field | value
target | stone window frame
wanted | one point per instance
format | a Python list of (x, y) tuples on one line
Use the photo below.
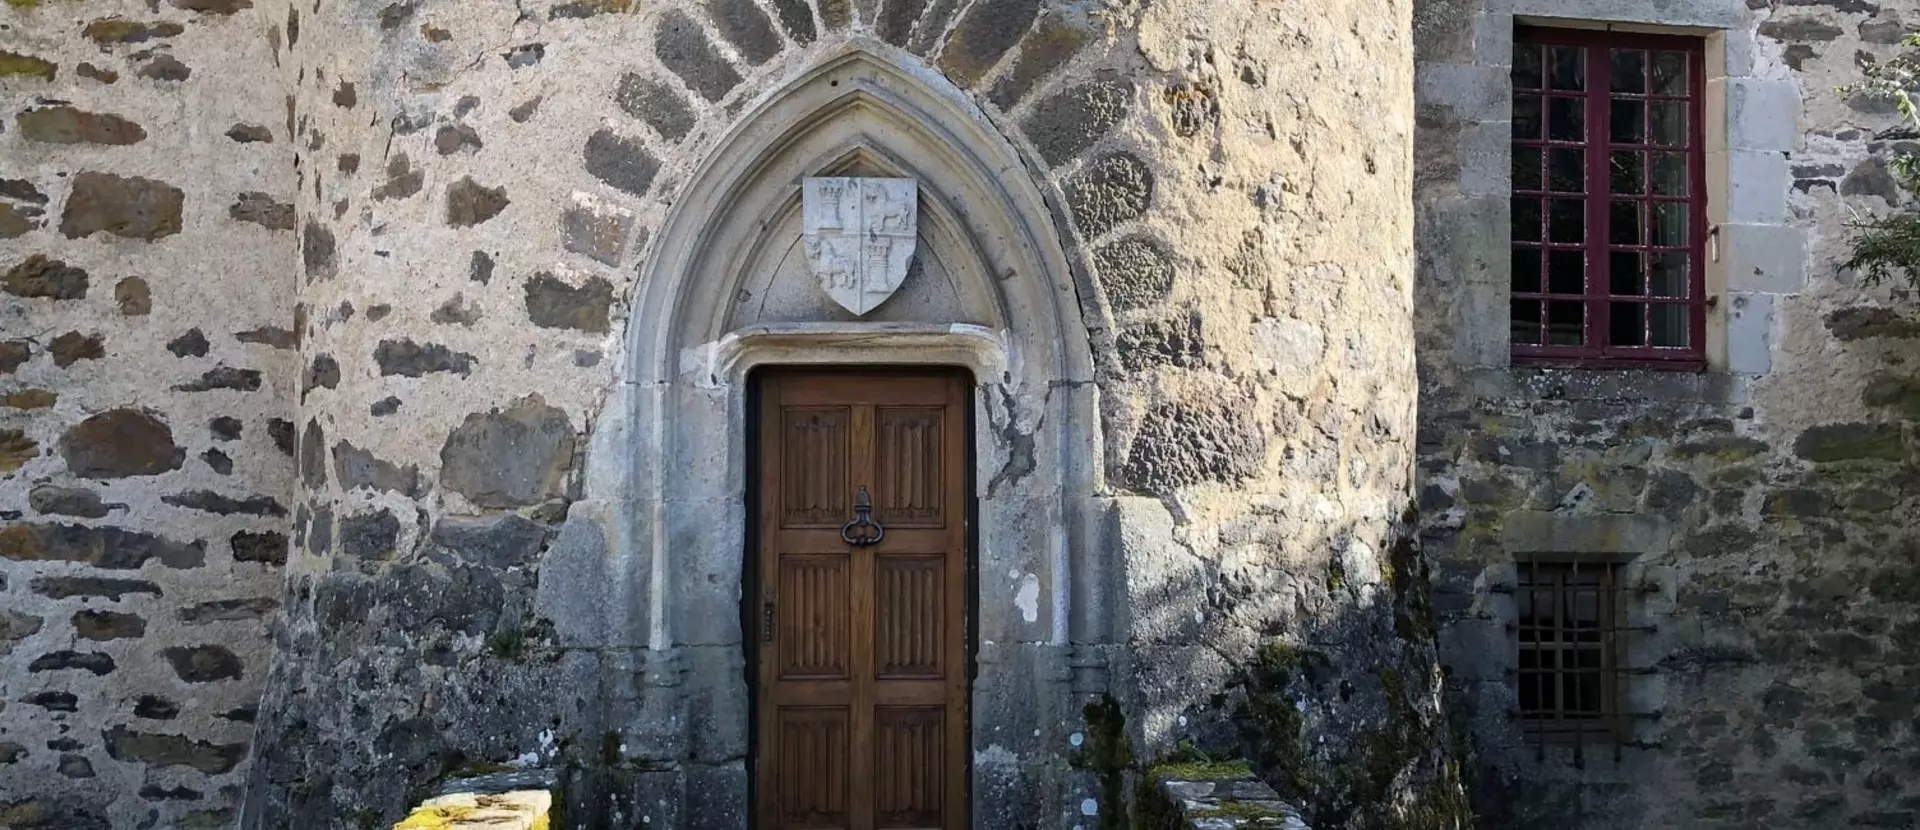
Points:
[(1754, 257), (1639, 546), (1596, 349)]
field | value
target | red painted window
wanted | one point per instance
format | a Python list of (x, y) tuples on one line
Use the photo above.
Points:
[(1609, 207)]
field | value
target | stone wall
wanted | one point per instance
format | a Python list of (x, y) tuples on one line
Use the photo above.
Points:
[(146, 396), (478, 187), (1764, 507), (493, 557)]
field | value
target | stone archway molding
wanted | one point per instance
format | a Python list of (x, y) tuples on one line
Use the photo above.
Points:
[(667, 472)]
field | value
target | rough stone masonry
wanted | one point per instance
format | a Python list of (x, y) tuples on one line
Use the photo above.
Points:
[(318, 321)]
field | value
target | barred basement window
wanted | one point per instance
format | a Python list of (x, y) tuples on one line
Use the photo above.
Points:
[(1609, 208), (1570, 637)]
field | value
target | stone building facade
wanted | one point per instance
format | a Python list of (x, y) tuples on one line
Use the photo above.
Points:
[(377, 383), (1759, 512)]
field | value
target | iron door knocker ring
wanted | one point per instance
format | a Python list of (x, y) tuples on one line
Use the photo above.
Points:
[(863, 531)]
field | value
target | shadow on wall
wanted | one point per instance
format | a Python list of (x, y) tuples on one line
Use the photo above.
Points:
[(1334, 698)]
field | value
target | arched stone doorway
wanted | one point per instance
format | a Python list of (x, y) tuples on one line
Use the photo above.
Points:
[(724, 291)]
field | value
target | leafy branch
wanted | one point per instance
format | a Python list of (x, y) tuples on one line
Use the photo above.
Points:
[(1886, 246)]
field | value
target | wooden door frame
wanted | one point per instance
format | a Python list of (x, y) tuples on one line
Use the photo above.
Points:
[(753, 579)]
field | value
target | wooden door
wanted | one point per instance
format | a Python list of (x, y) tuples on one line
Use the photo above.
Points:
[(861, 675)]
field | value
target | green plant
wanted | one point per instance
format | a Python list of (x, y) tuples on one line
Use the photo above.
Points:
[(1889, 245)]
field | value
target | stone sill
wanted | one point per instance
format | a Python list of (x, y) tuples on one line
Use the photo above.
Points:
[(1529, 383), (1234, 799)]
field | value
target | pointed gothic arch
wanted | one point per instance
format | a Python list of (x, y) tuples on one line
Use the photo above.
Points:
[(670, 464)]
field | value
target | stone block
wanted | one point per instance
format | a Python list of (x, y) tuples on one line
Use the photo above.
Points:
[(1751, 186), (682, 47), (552, 303), (131, 208), (1485, 156), (1752, 114), (1749, 332), (660, 105), (515, 457), (1708, 14), (983, 35), (1547, 535), (1477, 649), (1067, 123), (747, 27), (1166, 584), (623, 163), (704, 540), (1473, 93), (717, 704), (1766, 258), (596, 230), (717, 795)]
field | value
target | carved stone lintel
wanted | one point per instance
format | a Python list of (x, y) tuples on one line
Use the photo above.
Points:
[(859, 236)]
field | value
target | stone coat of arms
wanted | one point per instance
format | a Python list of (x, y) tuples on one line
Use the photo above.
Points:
[(859, 236)]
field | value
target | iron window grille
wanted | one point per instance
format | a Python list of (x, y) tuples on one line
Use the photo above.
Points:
[(1609, 208), (1572, 636)]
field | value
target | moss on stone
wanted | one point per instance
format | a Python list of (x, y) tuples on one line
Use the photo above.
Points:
[(1108, 754), (1199, 770), (1276, 719), (1238, 810), (1152, 810), (474, 769), (507, 645), (16, 65)]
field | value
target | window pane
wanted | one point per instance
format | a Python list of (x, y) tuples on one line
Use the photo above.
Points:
[(1526, 118), (1568, 221), (1670, 224), (1567, 67), (1624, 218), (1566, 322), (1669, 325), (1629, 71), (1629, 172), (1526, 270), (1533, 692), (1670, 274), (1567, 170), (1526, 168), (1585, 612), (1670, 73), (1566, 119), (1526, 321), (1540, 599), (1528, 66), (1526, 219), (1584, 697), (1626, 324), (1670, 174), (1628, 121), (1668, 122), (1624, 274), (1567, 272)]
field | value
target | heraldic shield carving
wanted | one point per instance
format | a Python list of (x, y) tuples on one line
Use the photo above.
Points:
[(860, 235)]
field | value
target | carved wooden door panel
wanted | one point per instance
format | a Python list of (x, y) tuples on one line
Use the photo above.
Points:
[(861, 676)]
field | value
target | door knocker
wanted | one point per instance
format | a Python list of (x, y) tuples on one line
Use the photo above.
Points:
[(863, 531)]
